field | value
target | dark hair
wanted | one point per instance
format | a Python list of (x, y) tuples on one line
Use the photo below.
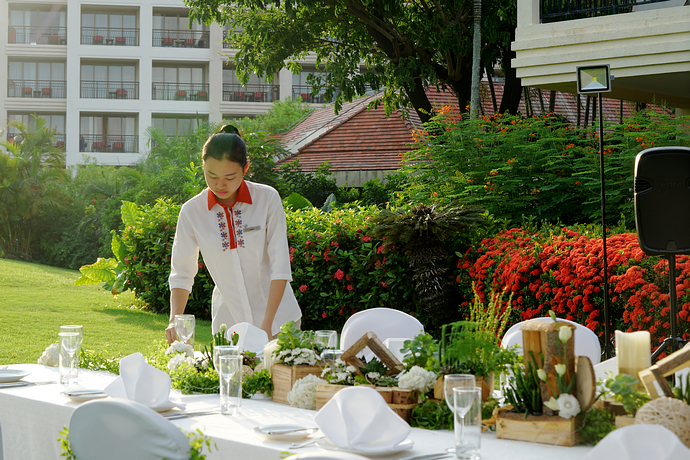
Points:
[(226, 144)]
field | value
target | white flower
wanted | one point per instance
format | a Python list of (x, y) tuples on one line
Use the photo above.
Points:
[(568, 406), (180, 347), (303, 393), (541, 373), (560, 369), (180, 360), (50, 356), (297, 356), (552, 404), (373, 376), (418, 379), (565, 333), (339, 373)]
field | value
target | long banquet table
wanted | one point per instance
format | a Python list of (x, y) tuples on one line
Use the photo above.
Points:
[(32, 416)]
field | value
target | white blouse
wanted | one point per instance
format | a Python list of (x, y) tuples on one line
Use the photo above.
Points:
[(243, 274)]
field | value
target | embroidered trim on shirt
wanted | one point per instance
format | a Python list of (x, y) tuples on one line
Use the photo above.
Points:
[(225, 241), (238, 228)]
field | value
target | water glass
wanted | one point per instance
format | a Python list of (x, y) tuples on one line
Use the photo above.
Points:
[(184, 328), (230, 372), (69, 372), (468, 422), (326, 340), (224, 350)]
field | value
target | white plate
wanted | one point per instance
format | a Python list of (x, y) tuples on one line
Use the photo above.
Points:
[(83, 395), (12, 375), (272, 432), (407, 444)]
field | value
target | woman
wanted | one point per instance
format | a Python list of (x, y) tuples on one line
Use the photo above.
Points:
[(240, 229)]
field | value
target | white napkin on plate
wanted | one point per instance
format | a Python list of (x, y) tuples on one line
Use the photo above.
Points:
[(143, 383), (640, 442), (359, 419), (252, 338)]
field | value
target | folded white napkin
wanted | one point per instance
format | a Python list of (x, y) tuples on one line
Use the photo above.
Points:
[(143, 383), (640, 442), (251, 338), (359, 419)]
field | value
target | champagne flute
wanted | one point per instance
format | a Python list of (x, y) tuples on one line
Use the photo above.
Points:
[(184, 327), (69, 342), (451, 381)]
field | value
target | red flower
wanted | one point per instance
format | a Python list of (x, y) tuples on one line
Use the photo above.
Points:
[(339, 274), (349, 287), (383, 283), (303, 288), (323, 315), (200, 264)]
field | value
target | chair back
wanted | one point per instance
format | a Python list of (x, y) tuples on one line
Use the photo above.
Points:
[(384, 322), (252, 338), (586, 341), (116, 429)]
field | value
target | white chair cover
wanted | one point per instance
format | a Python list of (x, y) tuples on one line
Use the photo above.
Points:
[(252, 338), (640, 442), (1, 454), (608, 366), (117, 429), (395, 344), (384, 322), (586, 341)]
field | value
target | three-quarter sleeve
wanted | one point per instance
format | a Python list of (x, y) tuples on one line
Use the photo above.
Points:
[(276, 239)]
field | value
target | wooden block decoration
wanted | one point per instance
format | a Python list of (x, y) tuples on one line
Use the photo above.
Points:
[(284, 377), (585, 383), (324, 393), (375, 345), (544, 429), (671, 364), (541, 338)]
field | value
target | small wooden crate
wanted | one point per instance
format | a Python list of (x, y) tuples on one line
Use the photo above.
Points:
[(487, 386), (284, 377), (544, 429)]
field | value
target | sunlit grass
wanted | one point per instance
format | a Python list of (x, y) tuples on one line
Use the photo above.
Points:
[(36, 299)]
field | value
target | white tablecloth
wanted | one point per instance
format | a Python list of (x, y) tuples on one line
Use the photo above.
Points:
[(32, 416)]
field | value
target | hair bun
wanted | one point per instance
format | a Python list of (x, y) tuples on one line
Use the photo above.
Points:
[(229, 129)]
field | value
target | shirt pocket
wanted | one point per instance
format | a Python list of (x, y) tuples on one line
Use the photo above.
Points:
[(254, 237)]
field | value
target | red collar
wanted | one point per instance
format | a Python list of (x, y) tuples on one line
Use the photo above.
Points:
[(243, 196)]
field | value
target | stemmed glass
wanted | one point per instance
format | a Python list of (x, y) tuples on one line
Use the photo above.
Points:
[(69, 343), (184, 327), (71, 372), (325, 340), (451, 381)]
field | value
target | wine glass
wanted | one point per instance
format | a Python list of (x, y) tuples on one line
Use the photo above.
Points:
[(451, 381), (184, 327), (79, 330), (69, 343), (325, 340)]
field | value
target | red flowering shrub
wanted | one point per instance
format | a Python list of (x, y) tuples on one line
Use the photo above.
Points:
[(561, 270)]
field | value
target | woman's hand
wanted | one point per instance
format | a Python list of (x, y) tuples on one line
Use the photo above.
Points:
[(170, 333), (267, 329)]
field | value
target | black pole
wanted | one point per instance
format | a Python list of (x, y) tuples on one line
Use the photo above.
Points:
[(607, 331)]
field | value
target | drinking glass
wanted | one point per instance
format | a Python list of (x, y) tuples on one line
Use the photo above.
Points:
[(224, 350), (69, 343), (325, 340), (230, 372), (67, 373), (451, 381), (184, 328), (468, 422)]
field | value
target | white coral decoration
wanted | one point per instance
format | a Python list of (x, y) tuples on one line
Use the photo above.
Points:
[(568, 406), (180, 360), (303, 393), (297, 356), (180, 347), (50, 356), (418, 379)]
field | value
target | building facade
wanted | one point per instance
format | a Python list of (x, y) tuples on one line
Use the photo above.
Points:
[(102, 72)]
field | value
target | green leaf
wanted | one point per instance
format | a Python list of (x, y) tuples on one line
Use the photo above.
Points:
[(103, 270), (296, 201), (118, 248), (131, 214)]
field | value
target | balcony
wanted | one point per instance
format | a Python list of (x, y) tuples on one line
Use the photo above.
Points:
[(112, 36), (179, 91), (304, 91), (50, 89), (180, 38), (251, 93), (558, 10), (35, 35), (109, 90), (99, 143), (58, 138), (647, 49)]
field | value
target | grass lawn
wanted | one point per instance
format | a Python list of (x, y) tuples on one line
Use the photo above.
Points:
[(37, 299)]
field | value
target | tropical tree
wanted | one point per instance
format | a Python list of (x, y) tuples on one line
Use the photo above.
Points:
[(421, 232), (398, 46), (30, 173)]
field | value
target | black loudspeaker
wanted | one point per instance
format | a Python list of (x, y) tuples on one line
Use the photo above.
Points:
[(662, 200)]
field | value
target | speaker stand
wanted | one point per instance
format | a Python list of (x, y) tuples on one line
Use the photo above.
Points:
[(673, 341)]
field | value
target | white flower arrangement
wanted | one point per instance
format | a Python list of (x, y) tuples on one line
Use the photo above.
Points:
[(567, 405), (180, 360), (180, 347), (50, 356), (418, 379), (297, 356), (340, 373), (303, 392)]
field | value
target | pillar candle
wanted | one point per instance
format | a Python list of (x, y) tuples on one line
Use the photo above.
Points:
[(633, 350)]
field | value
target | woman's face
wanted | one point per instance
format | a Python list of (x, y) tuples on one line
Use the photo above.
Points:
[(223, 178)]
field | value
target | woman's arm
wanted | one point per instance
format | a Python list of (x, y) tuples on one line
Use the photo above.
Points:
[(275, 295), (178, 302)]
